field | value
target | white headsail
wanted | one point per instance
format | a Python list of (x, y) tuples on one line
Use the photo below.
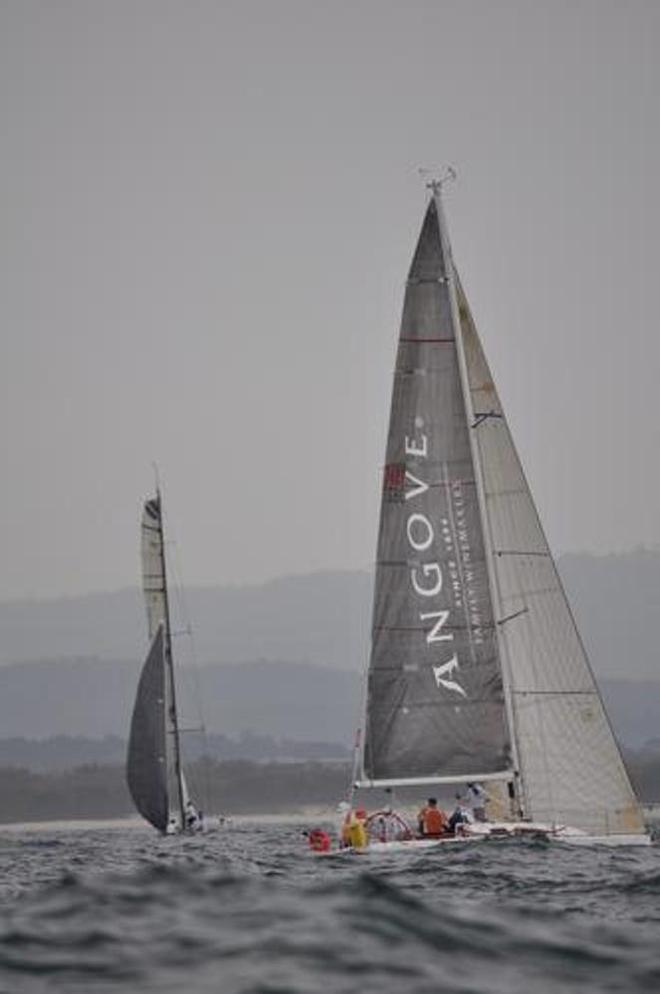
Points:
[(571, 769), (153, 560)]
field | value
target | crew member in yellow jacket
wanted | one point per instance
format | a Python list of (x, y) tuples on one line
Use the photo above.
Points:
[(354, 831)]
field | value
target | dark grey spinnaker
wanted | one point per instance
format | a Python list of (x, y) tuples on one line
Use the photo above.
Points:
[(146, 769), (435, 700)]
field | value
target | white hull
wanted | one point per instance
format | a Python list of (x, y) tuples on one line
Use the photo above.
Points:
[(495, 831), (552, 833), (608, 840)]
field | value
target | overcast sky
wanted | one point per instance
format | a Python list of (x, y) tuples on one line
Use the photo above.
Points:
[(208, 211)]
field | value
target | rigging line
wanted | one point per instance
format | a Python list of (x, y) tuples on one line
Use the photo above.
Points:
[(185, 613), (557, 693), (169, 660)]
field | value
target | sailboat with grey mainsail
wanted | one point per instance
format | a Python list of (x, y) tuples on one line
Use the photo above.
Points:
[(477, 672), (154, 769)]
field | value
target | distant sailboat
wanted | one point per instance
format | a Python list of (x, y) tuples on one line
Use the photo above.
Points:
[(154, 768), (477, 672)]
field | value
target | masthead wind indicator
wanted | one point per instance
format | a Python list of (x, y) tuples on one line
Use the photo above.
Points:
[(437, 178)]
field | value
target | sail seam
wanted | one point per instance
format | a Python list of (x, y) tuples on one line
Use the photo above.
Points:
[(557, 693), (522, 552)]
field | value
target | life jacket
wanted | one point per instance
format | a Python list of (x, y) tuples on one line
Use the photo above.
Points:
[(346, 833), (434, 821), (319, 840), (357, 834)]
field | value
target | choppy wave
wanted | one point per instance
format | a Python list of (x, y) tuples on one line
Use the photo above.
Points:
[(251, 911)]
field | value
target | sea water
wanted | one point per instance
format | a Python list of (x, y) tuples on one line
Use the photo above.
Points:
[(250, 910)]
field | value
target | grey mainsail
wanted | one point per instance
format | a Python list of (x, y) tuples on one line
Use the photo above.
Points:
[(435, 702), (146, 768), (571, 771)]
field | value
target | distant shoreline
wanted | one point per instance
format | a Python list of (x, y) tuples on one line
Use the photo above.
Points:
[(134, 822), (302, 815)]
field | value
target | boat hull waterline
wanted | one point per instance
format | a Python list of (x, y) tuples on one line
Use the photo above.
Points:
[(493, 832)]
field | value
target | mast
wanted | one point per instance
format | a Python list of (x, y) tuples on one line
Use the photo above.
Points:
[(435, 186), (169, 661)]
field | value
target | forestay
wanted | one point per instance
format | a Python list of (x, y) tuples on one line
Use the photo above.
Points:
[(571, 770), (435, 703)]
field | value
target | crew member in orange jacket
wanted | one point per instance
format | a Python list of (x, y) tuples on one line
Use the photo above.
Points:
[(432, 822)]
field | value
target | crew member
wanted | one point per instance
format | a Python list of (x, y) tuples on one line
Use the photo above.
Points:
[(191, 817), (477, 799), (460, 816), (319, 840), (432, 821), (355, 832)]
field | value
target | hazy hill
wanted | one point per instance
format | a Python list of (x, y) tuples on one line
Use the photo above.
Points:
[(291, 701), (284, 658), (616, 601), (323, 618), (62, 752), (95, 699)]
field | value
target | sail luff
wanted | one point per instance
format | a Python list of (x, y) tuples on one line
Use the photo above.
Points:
[(518, 786)]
